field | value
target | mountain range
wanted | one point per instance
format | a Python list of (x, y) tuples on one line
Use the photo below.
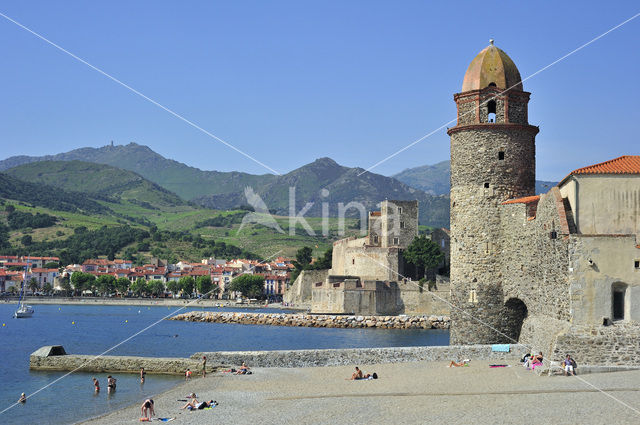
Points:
[(320, 182)]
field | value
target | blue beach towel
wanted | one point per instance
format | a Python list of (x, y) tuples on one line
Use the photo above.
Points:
[(503, 348)]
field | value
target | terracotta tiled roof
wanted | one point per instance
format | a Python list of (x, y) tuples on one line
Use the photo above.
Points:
[(626, 164), (375, 213), (525, 200)]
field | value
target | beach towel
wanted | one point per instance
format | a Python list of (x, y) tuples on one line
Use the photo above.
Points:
[(503, 348), (163, 419), (499, 365)]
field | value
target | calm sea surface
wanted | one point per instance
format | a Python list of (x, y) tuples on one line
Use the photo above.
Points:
[(95, 329)]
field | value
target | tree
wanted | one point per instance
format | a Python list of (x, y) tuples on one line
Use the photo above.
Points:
[(155, 287), (66, 286), (249, 285), (174, 287), (82, 281), (26, 240), (33, 285), (303, 257), (139, 286), (302, 261), (187, 284), (204, 284), (325, 261), (51, 265), (424, 254), (122, 285), (47, 288), (106, 283)]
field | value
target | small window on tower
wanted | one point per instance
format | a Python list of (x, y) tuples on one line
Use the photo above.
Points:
[(501, 155), (636, 264), (486, 185), (396, 241), (353, 261), (402, 224), (399, 210)]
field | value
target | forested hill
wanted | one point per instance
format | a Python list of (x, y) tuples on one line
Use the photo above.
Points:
[(98, 180), (46, 196), (187, 182)]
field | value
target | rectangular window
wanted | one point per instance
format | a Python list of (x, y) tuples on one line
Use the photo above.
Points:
[(375, 240), (402, 224), (636, 264), (396, 241), (399, 210), (501, 155), (486, 185)]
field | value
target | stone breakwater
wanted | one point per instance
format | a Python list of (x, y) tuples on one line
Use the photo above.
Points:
[(318, 320)]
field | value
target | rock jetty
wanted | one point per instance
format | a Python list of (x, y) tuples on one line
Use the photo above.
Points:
[(318, 320)]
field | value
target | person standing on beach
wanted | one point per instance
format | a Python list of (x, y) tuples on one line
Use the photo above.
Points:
[(142, 373), (147, 409), (96, 385), (204, 366), (187, 375)]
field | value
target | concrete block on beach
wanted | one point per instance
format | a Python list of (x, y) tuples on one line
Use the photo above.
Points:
[(55, 358)]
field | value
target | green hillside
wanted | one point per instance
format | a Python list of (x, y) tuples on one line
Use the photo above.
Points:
[(98, 180), (187, 182), (225, 190)]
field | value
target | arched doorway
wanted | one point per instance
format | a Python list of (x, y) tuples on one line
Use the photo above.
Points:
[(513, 315)]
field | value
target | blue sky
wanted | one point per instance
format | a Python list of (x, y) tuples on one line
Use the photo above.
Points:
[(289, 81)]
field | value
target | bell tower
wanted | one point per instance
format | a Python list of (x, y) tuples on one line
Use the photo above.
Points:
[(492, 160)]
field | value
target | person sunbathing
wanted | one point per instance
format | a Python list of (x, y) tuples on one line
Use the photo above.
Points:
[(357, 374), (464, 362), (195, 404), (244, 369)]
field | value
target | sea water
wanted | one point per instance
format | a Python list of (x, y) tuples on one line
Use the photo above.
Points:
[(61, 398)]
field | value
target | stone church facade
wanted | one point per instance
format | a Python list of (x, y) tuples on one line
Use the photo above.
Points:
[(558, 271)]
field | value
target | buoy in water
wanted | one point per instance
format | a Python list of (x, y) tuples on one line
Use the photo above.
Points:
[(126, 321), (73, 323)]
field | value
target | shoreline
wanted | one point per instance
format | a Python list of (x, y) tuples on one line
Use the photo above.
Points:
[(416, 392), (150, 302)]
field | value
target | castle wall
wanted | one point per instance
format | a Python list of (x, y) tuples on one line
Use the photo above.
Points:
[(352, 296), (543, 285), (414, 300), (612, 265), (368, 262), (399, 219), (604, 204), (300, 291)]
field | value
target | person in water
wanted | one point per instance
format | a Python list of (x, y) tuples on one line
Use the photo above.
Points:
[(22, 399), (111, 383), (96, 385), (142, 374)]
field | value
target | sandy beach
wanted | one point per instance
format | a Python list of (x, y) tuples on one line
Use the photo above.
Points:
[(406, 393)]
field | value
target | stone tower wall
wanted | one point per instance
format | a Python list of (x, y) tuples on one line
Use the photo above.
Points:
[(481, 179)]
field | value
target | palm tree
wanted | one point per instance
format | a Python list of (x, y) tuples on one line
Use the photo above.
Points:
[(33, 285)]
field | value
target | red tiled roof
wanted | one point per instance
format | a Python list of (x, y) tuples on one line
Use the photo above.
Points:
[(626, 164), (525, 200), (375, 213)]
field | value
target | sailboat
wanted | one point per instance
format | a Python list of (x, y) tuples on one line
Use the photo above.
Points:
[(23, 309)]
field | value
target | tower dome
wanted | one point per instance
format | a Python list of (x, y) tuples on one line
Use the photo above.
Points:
[(492, 67)]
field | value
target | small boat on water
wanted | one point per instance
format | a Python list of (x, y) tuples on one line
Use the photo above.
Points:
[(23, 309)]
